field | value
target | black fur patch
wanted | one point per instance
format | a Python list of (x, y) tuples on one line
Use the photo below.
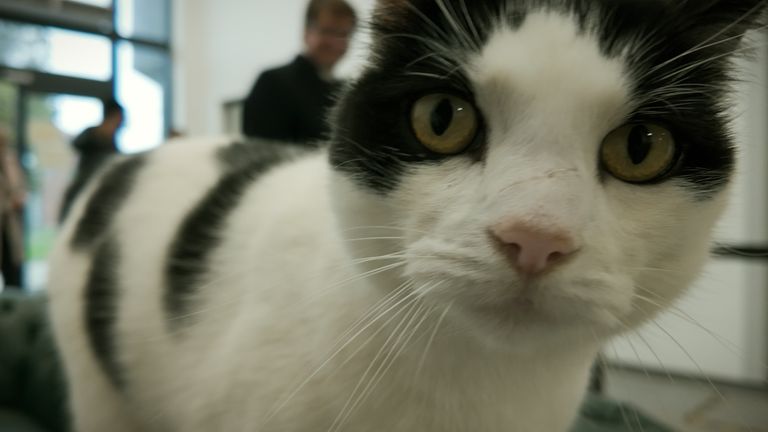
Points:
[(106, 201), (200, 233), (102, 294), (242, 155), (418, 50)]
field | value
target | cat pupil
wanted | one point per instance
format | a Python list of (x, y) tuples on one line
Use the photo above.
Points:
[(442, 116), (640, 142)]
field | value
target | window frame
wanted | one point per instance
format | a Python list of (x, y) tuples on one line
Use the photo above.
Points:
[(87, 19)]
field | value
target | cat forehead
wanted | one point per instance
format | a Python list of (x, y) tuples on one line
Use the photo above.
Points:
[(549, 63)]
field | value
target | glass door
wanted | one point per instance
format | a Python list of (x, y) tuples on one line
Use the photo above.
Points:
[(52, 121)]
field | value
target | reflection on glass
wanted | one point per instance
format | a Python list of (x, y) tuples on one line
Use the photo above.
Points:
[(8, 104), (53, 121), (141, 88), (97, 3), (145, 19), (64, 52)]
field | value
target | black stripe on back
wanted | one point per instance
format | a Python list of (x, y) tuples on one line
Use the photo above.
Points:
[(201, 231), (106, 201), (242, 155), (101, 309)]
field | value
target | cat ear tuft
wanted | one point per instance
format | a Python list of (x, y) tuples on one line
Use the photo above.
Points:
[(395, 5), (731, 17), (734, 6), (388, 12), (720, 25)]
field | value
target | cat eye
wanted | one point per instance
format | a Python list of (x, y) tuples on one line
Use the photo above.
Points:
[(639, 153), (444, 123)]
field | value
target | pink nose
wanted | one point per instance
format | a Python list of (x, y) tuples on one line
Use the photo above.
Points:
[(532, 250)]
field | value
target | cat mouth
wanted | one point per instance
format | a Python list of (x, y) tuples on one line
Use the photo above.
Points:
[(529, 308), (501, 298)]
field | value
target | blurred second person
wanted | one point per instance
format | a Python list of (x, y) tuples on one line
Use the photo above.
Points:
[(290, 103)]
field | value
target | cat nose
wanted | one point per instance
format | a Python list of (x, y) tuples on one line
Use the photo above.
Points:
[(532, 250)]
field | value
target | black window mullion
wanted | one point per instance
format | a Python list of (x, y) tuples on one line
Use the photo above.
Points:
[(49, 18), (21, 124), (114, 37), (165, 46), (51, 83)]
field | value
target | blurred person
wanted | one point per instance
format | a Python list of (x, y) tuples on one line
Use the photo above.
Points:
[(95, 146), (12, 198), (290, 102)]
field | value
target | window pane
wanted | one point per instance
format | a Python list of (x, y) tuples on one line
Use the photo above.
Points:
[(143, 83), (144, 19), (52, 50)]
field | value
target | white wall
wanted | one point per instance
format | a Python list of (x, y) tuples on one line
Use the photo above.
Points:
[(222, 45), (745, 221)]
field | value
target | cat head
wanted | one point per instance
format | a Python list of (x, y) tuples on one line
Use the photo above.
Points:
[(537, 165)]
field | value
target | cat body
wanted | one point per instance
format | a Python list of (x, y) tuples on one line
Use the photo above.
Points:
[(481, 222), (203, 374)]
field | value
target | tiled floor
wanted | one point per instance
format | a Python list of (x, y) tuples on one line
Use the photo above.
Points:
[(689, 405)]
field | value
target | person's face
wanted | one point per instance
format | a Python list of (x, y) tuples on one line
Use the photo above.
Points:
[(114, 122), (327, 39)]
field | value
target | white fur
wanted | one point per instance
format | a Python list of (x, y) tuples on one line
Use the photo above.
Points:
[(451, 352)]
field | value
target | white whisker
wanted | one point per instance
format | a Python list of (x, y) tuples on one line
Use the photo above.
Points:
[(337, 423), (276, 409), (432, 339)]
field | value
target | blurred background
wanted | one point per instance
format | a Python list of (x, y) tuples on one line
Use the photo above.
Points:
[(185, 66), (174, 65)]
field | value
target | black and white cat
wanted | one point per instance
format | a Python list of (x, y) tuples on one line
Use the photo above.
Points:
[(507, 181)]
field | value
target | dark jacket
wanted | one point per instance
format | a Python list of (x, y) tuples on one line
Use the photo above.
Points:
[(94, 150), (289, 103)]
